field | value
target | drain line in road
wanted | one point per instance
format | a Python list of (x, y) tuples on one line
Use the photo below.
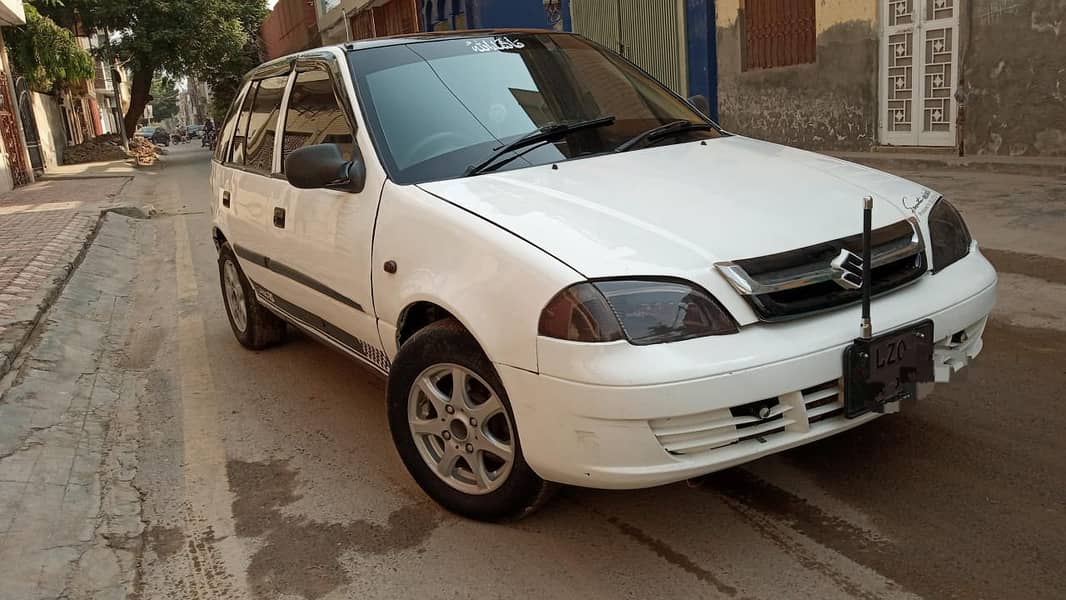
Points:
[(206, 485)]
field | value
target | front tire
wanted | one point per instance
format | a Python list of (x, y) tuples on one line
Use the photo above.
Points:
[(455, 431), (254, 326)]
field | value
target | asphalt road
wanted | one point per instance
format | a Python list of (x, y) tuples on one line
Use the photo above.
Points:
[(272, 474)]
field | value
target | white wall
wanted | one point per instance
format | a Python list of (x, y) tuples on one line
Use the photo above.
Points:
[(49, 119)]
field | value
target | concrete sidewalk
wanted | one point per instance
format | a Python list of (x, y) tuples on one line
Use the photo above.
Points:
[(44, 230), (69, 515)]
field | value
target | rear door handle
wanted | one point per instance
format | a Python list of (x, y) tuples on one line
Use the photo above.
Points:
[(279, 217), (225, 198)]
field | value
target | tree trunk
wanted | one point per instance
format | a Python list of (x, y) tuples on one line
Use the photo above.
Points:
[(139, 90)]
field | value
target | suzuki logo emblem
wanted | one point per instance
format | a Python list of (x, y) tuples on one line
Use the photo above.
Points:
[(847, 270)]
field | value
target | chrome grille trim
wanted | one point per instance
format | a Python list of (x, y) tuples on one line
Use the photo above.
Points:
[(810, 274)]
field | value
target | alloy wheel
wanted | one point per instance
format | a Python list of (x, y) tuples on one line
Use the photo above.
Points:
[(235, 296), (461, 429)]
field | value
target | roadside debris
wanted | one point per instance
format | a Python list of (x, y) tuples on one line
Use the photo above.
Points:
[(109, 147), (144, 151)]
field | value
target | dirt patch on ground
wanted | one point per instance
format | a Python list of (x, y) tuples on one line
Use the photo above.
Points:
[(165, 541), (299, 556)]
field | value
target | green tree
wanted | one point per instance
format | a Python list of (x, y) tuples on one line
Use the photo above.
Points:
[(164, 98), (204, 38), (46, 54)]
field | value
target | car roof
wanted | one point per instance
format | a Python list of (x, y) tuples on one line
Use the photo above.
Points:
[(405, 38)]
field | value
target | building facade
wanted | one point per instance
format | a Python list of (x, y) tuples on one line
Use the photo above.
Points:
[(194, 102), (344, 20), (290, 27), (982, 76), (15, 167)]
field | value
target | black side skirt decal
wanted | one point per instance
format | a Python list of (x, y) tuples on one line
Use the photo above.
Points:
[(290, 273), (305, 319)]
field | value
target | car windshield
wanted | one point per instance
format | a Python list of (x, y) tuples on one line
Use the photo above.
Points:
[(436, 108)]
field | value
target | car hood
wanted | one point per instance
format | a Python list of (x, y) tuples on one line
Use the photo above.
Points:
[(677, 209)]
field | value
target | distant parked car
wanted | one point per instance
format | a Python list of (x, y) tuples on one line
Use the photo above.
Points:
[(157, 135), (194, 131)]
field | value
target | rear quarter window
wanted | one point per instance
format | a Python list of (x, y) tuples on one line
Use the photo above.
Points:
[(240, 129), (262, 124), (225, 138)]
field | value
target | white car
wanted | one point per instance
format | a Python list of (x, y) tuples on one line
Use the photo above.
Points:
[(567, 273)]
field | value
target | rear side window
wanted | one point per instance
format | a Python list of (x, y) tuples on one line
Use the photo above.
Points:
[(262, 124), (314, 116)]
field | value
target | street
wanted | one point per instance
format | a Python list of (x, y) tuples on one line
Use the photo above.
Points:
[(273, 475)]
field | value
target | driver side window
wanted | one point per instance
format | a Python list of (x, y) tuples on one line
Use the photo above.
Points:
[(314, 116)]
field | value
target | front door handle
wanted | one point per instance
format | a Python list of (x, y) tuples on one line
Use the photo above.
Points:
[(279, 217), (225, 198)]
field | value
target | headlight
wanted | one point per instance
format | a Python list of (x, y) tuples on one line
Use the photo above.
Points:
[(644, 311), (948, 234)]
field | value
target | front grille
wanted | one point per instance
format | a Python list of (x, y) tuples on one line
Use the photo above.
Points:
[(707, 431), (798, 282)]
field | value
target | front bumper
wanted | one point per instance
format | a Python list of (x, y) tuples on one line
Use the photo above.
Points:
[(599, 419)]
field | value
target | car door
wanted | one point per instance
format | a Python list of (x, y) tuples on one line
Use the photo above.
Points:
[(330, 231), (257, 203)]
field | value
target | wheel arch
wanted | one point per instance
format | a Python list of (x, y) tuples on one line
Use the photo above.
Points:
[(491, 281), (423, 312), (218, 237)]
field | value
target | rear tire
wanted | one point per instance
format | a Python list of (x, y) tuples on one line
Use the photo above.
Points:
[(462, 448), (253, 324)]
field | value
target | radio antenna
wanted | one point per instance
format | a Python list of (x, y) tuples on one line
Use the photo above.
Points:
[(866, 329)]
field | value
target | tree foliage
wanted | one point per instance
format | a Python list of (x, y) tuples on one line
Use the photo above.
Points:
[(164, 98), (209, 39), (47, 55)]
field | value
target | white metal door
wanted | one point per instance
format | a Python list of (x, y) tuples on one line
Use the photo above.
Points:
[(919, 72)]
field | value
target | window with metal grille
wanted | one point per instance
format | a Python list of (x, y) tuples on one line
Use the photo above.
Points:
[(778, 33)]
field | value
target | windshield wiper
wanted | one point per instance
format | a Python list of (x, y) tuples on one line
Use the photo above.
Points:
[(548, 133), (662, 131)]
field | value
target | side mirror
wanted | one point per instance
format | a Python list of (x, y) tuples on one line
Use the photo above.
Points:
[(323, 166), (702, 104)]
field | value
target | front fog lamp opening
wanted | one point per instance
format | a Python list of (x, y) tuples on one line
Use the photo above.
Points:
[(948, 235), (644, 311)]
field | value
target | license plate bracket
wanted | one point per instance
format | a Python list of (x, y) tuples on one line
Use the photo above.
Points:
[(887, 368)]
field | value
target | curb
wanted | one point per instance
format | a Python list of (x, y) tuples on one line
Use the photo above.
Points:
[(887, 162), (77, 177), (22, 331)]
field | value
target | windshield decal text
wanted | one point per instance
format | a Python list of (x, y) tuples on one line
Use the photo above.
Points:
[(495, 44)]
